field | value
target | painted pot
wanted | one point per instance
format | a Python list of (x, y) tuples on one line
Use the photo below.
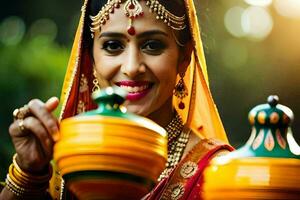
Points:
[(110, 153), (266, 167)]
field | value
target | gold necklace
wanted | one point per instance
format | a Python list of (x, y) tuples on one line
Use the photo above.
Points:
[(177, 140)]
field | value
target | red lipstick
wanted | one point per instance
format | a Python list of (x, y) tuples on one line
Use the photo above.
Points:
[(136, 89)]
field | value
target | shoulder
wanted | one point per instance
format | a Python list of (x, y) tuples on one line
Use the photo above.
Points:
[(198, 148), (185, 181)]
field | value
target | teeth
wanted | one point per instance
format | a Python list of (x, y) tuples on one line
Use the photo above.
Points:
[(135, 88)]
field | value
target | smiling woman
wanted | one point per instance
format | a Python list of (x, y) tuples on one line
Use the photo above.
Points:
[(139, 63), (153, 50)]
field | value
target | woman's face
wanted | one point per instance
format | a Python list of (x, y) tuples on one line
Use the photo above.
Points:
[(144, 64)]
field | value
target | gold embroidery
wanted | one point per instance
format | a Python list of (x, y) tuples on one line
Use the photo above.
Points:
[(74, 62), (176, 191), (195, 155), (83, 84), (56, 185), (81, 107), (188, 169)]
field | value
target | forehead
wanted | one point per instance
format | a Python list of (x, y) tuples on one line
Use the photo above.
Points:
[(119, 22)]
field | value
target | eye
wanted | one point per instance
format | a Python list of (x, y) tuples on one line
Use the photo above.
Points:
[(113, 46), (153, 47)]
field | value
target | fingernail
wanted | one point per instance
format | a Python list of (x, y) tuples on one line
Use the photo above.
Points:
[(53, 99)]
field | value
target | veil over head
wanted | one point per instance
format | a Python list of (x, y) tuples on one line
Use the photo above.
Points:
[(200, 113)]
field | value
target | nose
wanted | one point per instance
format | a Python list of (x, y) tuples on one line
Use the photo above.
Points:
[(133, 63)]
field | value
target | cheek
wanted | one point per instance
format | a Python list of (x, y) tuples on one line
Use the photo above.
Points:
[(166, 69), (105, 65)]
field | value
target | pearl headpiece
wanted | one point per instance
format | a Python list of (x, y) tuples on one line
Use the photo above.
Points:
[(132, 10)]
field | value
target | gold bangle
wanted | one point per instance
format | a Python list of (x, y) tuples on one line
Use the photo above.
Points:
[(23, 184), (21, 191), (29, 177), (13, 177), (18, 191)]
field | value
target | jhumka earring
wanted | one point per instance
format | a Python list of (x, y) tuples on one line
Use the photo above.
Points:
[(96, 86), (181, 91)]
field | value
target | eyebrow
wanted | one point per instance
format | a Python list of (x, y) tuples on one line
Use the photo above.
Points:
[(112, 34), (141, 35)]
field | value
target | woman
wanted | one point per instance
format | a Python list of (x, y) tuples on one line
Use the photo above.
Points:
[(148, 48)]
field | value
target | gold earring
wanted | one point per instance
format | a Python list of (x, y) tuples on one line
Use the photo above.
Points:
[(181, 91), (96, 86)]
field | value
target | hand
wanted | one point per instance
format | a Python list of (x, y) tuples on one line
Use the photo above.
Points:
[(34, 142)]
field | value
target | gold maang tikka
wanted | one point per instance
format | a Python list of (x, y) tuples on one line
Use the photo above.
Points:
[(132, 10)]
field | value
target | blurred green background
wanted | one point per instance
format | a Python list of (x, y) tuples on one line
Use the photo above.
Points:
[(252, 49)]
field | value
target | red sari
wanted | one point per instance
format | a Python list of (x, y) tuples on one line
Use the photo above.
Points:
[(186, 180)]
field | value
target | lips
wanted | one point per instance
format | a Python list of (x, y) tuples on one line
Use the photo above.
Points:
[(136, 89)]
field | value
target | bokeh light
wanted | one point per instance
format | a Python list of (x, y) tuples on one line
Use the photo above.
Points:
[(232, 21), (257, 23), (12, 30), (43, 28), (288, 8), (259, 2), (234, 53)]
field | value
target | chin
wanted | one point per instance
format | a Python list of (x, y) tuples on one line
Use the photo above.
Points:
[(137, 109)]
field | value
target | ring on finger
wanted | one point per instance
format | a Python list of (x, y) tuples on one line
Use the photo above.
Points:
[(21, 113), (21, 125)]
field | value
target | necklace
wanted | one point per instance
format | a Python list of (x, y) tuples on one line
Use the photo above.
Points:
[(177, 140)]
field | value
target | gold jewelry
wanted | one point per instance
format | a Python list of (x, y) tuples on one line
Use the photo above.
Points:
[(133, 9), (21, 113), (177, 140), (173, 21), (21, 191), (24, 184), (21, 125), (174, 128), (103, 15), (27, 176), (96, 84), (177, 40), (181, 91)]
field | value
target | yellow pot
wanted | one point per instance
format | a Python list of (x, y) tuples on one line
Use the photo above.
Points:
[(110, 157), (252, 178)]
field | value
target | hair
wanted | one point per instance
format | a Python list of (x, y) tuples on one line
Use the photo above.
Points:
[(174, 6)]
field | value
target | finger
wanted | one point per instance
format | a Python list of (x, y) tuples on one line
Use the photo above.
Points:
[(32, 126), (35, 127), (51, 104), (38, 109), (15, 129)]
